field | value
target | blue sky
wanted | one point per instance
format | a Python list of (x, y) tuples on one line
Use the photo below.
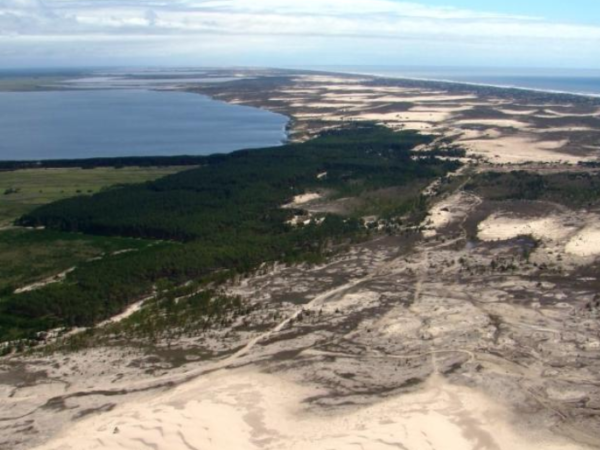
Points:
[(508, 33), (574, 11)]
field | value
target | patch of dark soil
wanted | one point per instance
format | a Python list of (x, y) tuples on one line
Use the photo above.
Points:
[(101, 409)]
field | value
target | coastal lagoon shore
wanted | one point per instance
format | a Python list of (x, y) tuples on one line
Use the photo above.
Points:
[(475, 329)]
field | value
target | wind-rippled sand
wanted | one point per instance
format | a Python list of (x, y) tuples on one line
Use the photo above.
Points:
[(244, 410)]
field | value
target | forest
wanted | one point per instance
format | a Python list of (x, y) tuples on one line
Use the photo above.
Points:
[(221, 219), (118, 162), (567, 188)]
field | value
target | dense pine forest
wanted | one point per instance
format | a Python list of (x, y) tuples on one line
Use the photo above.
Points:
[(212, 222)]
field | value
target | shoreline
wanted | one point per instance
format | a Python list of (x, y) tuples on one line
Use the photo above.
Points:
[(500, 124), (202, 149), (468, 84)]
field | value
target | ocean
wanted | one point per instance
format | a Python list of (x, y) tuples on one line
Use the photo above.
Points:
[(110, 123), (582, 82)]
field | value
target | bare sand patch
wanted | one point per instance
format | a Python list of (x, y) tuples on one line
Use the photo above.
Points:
[(287, 99), (344, 81), (561, 114), (500, 228), (406, 116), (466, 134), (245, 410), (40, 284), (294, 91), (518, 112), (498, 123), (303, 199), (445, 109), (328, 105), (423, 98), (572, 239), (311, 116), (520, 149), (416, 126), (450, 210), (567, 130), (348, 96), (375, 89), (585, 243)]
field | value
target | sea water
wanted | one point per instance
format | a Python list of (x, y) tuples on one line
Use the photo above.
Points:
[(576, 81)]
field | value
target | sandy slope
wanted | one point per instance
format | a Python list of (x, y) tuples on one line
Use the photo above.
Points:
[(241, 410)]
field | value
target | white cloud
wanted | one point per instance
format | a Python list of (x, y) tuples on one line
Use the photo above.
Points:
[(336, 22)]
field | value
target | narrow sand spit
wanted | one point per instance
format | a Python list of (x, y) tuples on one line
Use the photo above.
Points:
[(245, 410)]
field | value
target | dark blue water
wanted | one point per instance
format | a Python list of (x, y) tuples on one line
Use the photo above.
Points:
[(85, 124), (577, 81)]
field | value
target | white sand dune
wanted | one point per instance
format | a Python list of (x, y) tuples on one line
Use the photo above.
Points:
[(585, 243), (318, 105), (568, 130), (518, 112), (557, 232), (375, 89), (349, 96), (302, 199), (343, 81), (519, 149), (446, 109), (561, 114), (245, 410), (500, 228), (424, 98), (497, 123), (430, 116)]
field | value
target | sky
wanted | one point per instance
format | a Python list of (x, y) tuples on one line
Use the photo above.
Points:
[(283, 33)]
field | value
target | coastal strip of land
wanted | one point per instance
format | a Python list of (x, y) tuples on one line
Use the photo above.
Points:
[(465, 318)]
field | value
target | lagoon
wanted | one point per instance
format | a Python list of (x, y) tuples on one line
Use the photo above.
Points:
[(110, 123)]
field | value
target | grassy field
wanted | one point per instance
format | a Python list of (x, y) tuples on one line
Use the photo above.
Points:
[(23, 190), (28, 256)]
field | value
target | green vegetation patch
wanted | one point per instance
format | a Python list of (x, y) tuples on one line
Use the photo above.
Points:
[(222, 219), (23, 190), (31, 256), (245, 190), (569, 189)]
